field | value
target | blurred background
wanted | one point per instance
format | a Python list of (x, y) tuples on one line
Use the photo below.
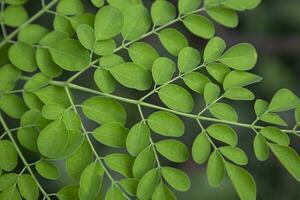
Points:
[(274, 28)]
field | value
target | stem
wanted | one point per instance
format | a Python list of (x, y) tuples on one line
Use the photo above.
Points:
[(22, 157)]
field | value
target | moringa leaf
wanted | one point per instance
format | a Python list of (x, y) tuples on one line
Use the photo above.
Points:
[(201, 148), (224, 111), (214, 49), (8, 156), (147, 184), (188, 59), (173, 150), (186, 6), (176, 178), (199, 26), (47, 170), (144, 161), (215, 169), (163, 70), (28, 187), (162, 12), (261, 148), (223, 133), (283, 100), (121, 163), (196, 81), (138, 138)]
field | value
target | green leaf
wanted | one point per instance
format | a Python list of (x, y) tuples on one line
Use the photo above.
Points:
[(224, 111), (86, 36), (240, 79), (261, 148), (147, 184), (214, 49), (104, 81), (84, 18), (70, 55), (162, 12), (172, 40), (242, 56), (47, 170), (132, 75), (22, 56), (46, 64), (218, 71), (240, 6), (137, 22), (8, 77), (8, 180), (28, 138), (143, 54), (211, 93), (143, 162), (215, 169), (283, 100), (239, 93), (242, 181), (32, 101), (32, 33), (90, 181), (72, 120), (138, 138), (234, 154), (36, 82), (62, 24), (34, 118), (276, 135), (186, 6), (52, 38), (8, 156), (28, 187), (103, 110), (224, 16), (201, 148), (53, 111), (163, 70), (12, 105), (10, 193), (79, 160), (122, 5), (110, 61), (121, 163), (173, 150), (9, 16), (69, 192), (108, 23), (176, 178), (200, 26), (273, 118), (16, 2), (166, 124), (176, 98), (196, 81), (289, 158), (260, 107), (98, 3), (111, 134), (129, 185), (163, 192), (70, 7), (223, 133), (114, 193), (188, 59)]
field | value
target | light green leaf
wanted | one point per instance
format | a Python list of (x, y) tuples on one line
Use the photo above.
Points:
[(289, 158), (84, 18), (218, 71), (10, 193), (239, 93), (137, 22), (242, 181), (121, 163), (240, 6), (273, 118), (36, 82), (8, 77), (215, 169), (47, 170), (235, 154), (200, 26), (188, 59), (260, 107), (32, 33), (283, 100), (196, 81), (224, 16), (104, 110), (105, 47), (28, 138), (163, 192), (173, 40), (132, 75), (122, 5), (261, 148), (147, 184), (214, 49), (110, 61), (143, 54), (70, 7), (86, 36), (53, 111), (8, 156), (138, 138), (62, 24), (211, 93), (176, 98), (143, 162), (173, 150), (162, 12), (28, 187), (12, 105), (16, 2), (70, 55), (111, 134), (201, 148), (240, 79), (163, 70), (223, 133), (90, 181), (52, 38), (108, 23), (49, 94), (34, 118), (186, 6), (69, 192), (9, 16), (242, 56), (176, 178), (129, 185), (224, 111), (98, 3), (32, 101), (114, 193), (8, 180), (104, 81), (46, 64), (166, 124), (276, 135)]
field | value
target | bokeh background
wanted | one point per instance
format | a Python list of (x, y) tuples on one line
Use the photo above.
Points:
[(274, 28)]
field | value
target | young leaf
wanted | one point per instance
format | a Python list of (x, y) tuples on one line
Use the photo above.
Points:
[(104, 110), (110, 61), (105, 47), (186, 6), (275, 135), (36, 82), (176, 98), (211, 93), (46, 64), (143, 162), (234, 154), (121, 163), (108, 23), (70, 7), (240, 79), (12, 105), (224, 111), (163, 70), (239, 93), (196, 81), (283, 100), (162, 12), (223, 133), (47, 170), (188, 59), (173, 150), (53, 111), (147, 184), (32, 33), (261, 148), (138, 138), (176, 178), (28, 187), (166, 124), (104, 81), (201, 148), (86, 36), (260, 107), (112, 134), (8, 156), (200, 26), (214, 49), (218, 71), (224, 16), (9, 16), (215, 169), (273, 118)]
